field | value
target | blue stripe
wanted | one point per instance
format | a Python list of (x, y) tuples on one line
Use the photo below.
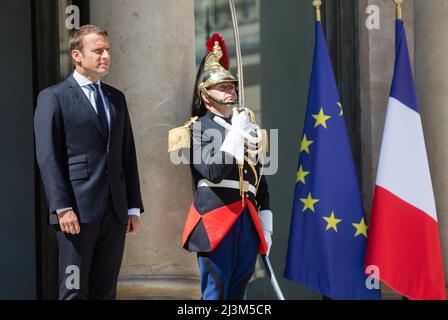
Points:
[(403, 82)]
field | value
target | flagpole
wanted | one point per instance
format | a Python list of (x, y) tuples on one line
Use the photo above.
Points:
[(317, 4), (398, 4)]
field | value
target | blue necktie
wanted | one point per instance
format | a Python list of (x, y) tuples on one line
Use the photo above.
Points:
[(100, 107)]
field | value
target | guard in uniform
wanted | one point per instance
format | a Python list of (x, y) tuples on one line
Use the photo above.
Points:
[(229, 222)]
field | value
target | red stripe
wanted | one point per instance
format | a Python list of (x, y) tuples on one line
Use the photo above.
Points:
[(404, 243), (262, 246), (219, 221), (193, 219)]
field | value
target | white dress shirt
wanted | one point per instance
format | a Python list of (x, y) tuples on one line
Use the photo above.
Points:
[(84, 84)]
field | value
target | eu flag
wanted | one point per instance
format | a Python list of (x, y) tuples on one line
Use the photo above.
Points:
[(328, 232)]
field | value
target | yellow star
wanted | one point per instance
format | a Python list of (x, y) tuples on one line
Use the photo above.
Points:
[(301, 175), (321, 119), (304, 146), (309, 203), (332, 222), (361, 228), (342, 110)]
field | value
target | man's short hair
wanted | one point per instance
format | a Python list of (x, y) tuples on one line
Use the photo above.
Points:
[(76, 37)]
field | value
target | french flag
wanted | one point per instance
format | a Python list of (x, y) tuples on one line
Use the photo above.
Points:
[(404, 238)]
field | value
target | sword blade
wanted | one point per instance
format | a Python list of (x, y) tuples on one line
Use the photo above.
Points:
[(271, 274), (239, 62)]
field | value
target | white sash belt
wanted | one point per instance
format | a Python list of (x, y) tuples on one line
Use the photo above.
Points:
[(232, 184)]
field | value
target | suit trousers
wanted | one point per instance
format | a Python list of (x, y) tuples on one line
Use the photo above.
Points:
[(89, 262)]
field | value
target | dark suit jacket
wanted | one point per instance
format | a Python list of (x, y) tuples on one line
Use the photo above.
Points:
[(208, 199), (79, 164), (217, 200)]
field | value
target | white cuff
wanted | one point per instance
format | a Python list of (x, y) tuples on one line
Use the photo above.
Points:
[(266, 220), (59, 211), (134, 212)]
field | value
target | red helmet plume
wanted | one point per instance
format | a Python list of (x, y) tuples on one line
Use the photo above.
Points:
[(224, 61)]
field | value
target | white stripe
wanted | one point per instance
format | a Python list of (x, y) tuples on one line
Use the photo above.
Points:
[(403, 166), (232, 184)]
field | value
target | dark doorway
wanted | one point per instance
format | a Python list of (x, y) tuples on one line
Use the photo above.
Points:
[(17, 213)]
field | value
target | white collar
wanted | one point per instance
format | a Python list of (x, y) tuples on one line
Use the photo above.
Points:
[(83, 81)]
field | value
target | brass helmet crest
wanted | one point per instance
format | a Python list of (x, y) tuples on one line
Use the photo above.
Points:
[(216, 67)]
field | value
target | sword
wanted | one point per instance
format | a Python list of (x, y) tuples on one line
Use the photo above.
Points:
[(241, 102), (271, 274), (239, 63)]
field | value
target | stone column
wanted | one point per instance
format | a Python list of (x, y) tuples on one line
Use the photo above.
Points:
[(153, 63), (431, 65), (376, 67)]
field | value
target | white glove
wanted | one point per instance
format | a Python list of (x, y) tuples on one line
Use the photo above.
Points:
[(253, 145), (267, 225), (268, 239), (234, 141), (241, 120)]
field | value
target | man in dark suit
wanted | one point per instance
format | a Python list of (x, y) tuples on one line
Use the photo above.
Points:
[(86, 155)]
